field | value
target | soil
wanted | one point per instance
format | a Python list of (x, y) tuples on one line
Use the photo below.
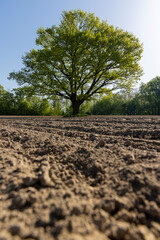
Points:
[(83, 178)]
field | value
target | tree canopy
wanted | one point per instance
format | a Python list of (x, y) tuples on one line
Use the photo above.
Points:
[(81, 57)]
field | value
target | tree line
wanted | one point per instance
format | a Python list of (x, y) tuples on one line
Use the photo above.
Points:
[(16, 103), (145, 101)]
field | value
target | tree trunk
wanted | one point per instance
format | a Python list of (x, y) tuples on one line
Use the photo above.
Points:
[(75, 107)]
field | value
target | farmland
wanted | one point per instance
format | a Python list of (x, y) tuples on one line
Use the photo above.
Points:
[(95, 177)]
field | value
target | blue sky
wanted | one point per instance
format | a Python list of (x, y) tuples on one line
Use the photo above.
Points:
[(20, 19)]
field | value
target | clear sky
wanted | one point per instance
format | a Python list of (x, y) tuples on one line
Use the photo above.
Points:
[(20, 19)]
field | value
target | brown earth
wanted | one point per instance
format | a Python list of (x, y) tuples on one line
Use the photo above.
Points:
[(80, 178)]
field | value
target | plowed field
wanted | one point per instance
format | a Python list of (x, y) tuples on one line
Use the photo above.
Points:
[(88, 178)]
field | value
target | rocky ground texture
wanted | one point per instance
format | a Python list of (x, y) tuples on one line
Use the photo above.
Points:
[(82, 178)]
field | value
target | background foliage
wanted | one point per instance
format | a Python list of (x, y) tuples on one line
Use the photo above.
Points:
[(146, 101)]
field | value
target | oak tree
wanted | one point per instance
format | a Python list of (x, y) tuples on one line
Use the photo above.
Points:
[(79, 58)]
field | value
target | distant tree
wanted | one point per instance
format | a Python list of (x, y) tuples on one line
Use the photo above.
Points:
[(112, 104), (7, 102), (150, 93), (134, 105), (81, 57), (28, 104), (45, 108), (2, 93), (19, 103), (57, 110), (103, 106)]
